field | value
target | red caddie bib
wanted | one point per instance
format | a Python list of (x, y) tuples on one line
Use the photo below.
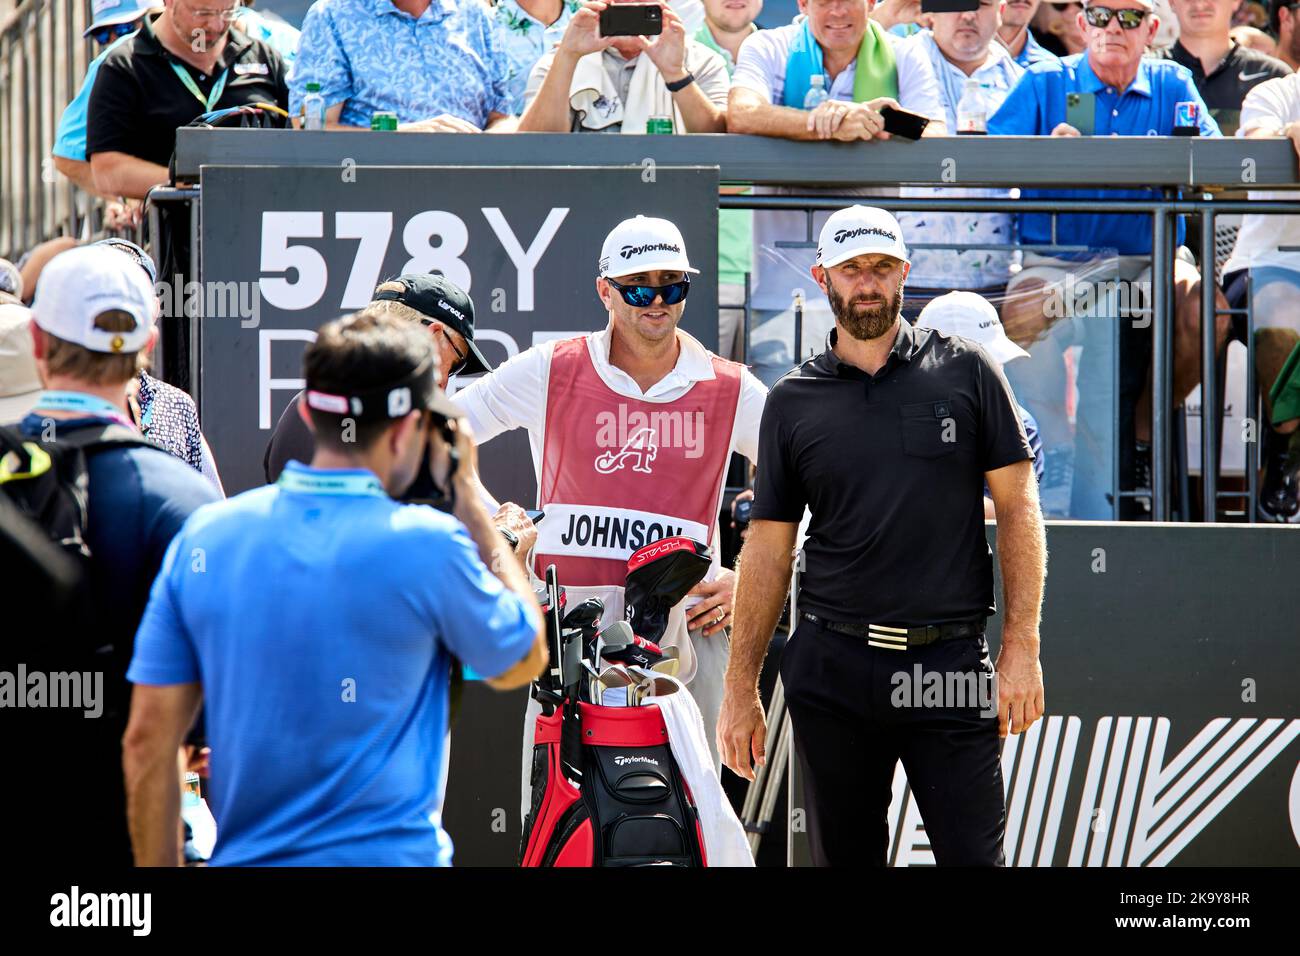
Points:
[(619, 472)]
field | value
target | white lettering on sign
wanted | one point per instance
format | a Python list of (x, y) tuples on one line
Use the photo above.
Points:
[(266, 384), (525, 262)]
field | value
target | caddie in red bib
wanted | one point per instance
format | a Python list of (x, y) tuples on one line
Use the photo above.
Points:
[(631, 429)]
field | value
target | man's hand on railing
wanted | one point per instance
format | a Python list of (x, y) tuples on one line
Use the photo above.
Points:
[(890, 13), (835, 119), (1065, 129), (445, 123)]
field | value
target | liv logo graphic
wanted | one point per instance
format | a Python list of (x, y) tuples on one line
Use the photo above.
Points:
[(1137, 804)]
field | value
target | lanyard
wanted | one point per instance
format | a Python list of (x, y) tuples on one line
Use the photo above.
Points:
[(212, 98), (81, 402), (331, 483)]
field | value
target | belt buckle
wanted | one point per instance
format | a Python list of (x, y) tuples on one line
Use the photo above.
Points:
[(887, 638)]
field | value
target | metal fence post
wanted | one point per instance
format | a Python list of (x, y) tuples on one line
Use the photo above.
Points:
[(1209, 372)]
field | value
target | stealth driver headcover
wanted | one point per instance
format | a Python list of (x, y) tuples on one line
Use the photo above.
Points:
[(658, 576)]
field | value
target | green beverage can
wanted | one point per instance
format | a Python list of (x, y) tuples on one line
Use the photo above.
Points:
[(386, 121), (659, 125)]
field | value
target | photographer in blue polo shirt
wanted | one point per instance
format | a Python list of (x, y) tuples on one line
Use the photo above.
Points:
[(316, 619), (1111, 89)]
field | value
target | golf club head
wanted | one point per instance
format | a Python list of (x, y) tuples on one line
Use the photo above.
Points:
[(651, 684), (616, 676), (586, 615), (658, 577), (619, 645), (669, 666)]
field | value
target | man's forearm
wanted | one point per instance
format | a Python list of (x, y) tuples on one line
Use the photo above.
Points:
[(80, 173), (493, 549), (119, 174), (766, 119), (502, 124), (1022, 553), (699, 113), (762, 583), (153, 807), (549, 110)]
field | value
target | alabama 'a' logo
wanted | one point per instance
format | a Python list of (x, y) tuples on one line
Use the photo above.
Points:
[(640, 446)]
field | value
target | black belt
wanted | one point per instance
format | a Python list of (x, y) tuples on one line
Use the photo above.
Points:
[(901, 638)]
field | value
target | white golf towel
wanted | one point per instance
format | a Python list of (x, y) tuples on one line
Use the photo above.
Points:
[(724, 836)]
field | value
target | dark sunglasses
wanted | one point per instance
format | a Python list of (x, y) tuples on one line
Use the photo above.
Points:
[(106, 35), (461, 358), (1100, 17), (644, 295)]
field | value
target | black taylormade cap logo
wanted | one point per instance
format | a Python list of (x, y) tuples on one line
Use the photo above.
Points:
[(844, 234), (627, 252)]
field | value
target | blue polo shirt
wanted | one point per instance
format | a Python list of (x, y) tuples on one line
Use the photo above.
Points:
[(70, 137), (1033, 52), (1037, 105), (320, 626)]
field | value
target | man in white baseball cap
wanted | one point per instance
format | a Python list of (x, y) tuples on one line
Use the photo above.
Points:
[(91, 330), (886, 437), (631, 429), (20, 382), (973, 317)]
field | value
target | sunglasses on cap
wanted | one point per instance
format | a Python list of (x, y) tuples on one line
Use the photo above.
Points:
[(106, 35), (1129, 19), (641, 296)]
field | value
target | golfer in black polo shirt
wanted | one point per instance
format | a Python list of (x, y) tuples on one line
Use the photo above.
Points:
[(888, 437)]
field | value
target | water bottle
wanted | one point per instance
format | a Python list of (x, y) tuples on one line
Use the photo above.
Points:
[(200, 827), (817, 94), (313, 108), (972, 111)]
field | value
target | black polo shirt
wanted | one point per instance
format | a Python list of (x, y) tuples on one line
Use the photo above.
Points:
[(892, 467), (138, 101), (1226, 87)]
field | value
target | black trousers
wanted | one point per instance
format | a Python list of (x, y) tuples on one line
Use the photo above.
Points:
[(854, 719)]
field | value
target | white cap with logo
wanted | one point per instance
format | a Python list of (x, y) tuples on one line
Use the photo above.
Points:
[(972, 317), (78, 286), (20, 382), (643, 244), (859, 230)]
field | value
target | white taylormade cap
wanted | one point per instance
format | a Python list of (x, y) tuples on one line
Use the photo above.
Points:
[(859, 230), (972, 317), (79, 285), (643, 244)]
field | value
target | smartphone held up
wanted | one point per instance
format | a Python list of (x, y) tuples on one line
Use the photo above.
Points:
[(631, 20)]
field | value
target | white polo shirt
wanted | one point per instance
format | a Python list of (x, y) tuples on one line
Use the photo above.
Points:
[(514, 396)]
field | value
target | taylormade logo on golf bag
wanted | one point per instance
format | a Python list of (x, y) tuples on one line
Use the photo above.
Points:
[(627, 252), (624, 761)]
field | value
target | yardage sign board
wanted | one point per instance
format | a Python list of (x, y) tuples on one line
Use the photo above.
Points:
[(304, 245)]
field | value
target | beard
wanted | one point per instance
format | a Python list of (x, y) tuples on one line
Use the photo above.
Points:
[(864, 324)]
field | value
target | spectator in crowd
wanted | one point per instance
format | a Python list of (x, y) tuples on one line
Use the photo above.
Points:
[(727, 24), (1057, 27), (1224, 71), (1016, 35), (525, 30), (352, 610), (596, 84), (283, 37), (973, 317), (188, 62), (435, 63), (20, 380), (1264, 271), (11, 284), (1253, 38), (1132, 95), (163, 413), (115, 21), (36, 258), (863, 68), (92, 330), (961, 51), (1284, 19)]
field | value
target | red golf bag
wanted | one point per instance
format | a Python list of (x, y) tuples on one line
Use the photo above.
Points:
[(606, 789)]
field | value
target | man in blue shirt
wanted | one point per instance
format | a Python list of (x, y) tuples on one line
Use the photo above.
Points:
[(435, 63), (92, 330), (317, 618), (1016, 35), (1123, 93)]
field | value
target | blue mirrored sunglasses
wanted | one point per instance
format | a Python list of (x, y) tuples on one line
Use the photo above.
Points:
[(644, 295), (106, 35)]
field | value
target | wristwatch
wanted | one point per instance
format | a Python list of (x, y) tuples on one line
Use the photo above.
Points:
[(681, 84)]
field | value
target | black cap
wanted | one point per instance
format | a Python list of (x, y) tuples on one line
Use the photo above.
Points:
[(441, 300)]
